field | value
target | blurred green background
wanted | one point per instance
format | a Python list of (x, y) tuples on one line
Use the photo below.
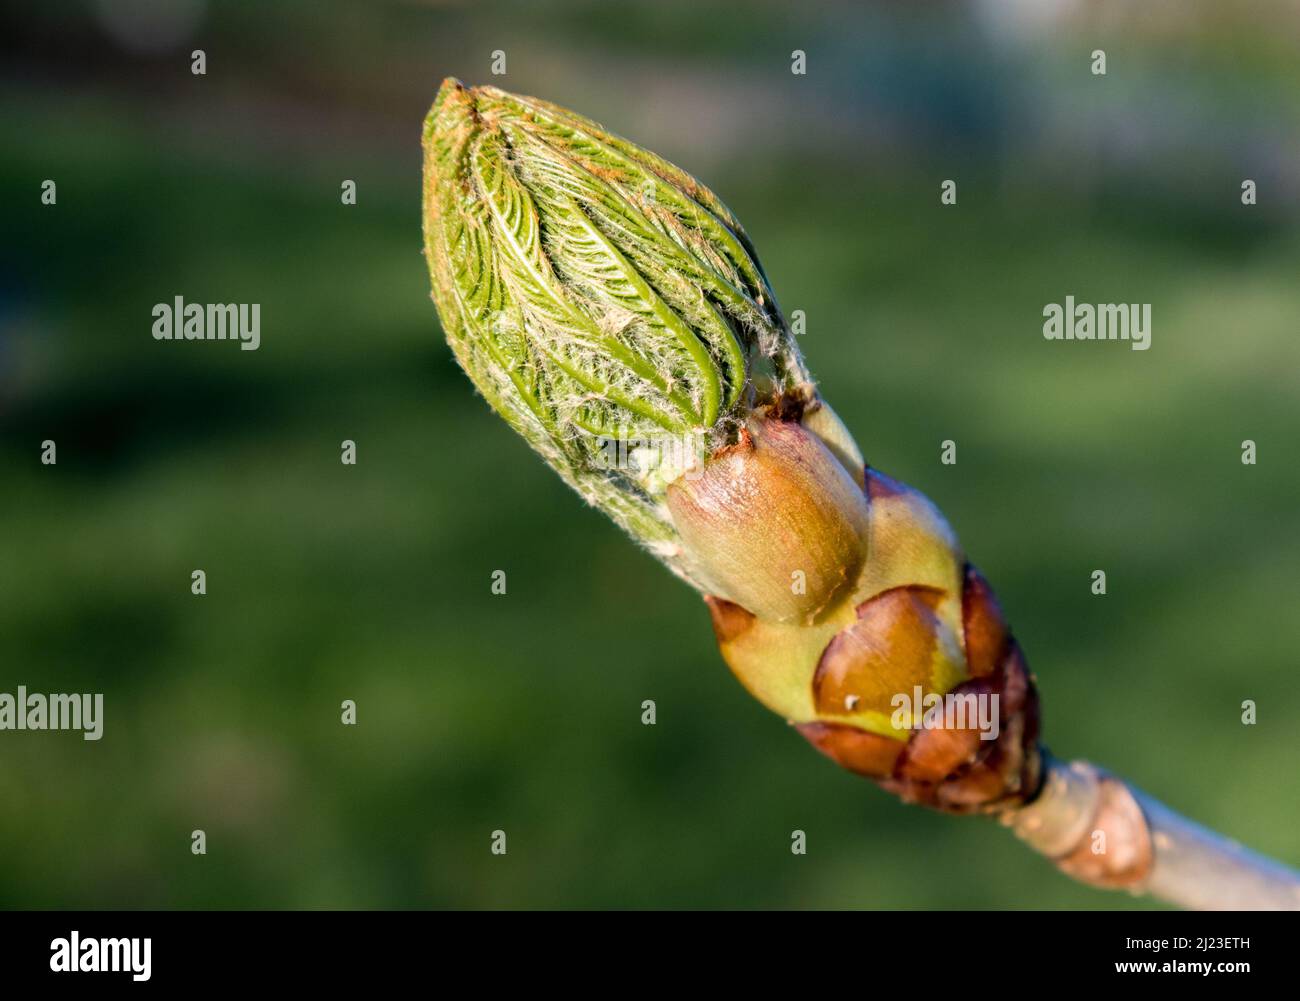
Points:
[(522, 712)]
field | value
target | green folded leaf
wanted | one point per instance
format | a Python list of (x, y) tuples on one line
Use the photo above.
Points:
[(596, 294)]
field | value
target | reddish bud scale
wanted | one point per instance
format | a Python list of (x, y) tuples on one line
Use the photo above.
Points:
[(899, 613), (774, 523), (952, 769)]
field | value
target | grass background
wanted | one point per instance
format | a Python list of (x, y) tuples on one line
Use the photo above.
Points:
[(522, 712)]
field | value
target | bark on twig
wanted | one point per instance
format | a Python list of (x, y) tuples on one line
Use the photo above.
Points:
[(1102, 831)]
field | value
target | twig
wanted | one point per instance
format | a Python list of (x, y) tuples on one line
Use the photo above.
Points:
[(1102, 831)]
